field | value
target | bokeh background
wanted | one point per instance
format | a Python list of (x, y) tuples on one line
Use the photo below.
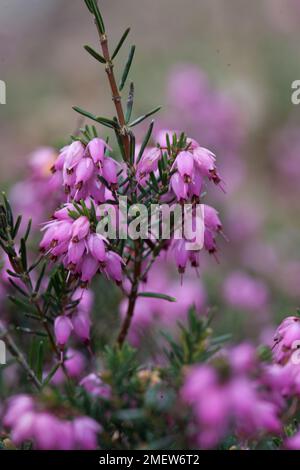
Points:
[(222, 69)]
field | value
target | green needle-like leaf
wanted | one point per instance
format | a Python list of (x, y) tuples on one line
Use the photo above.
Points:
[(95, 54), (98, 16), (23, 253), (145, 116), (145, 141), (155, 295), (17, 226), (89, 5), (9, 214), (132, 149), (41, 276), (39, 362), (28, 230), (127, 68), (101, 120), (120, 44), (130, 102)]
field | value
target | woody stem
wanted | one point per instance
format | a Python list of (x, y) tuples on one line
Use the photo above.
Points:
[(116, 97)]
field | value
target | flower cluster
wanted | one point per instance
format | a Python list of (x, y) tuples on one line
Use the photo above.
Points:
[(286, 339), (190, 168), (226, 396), (76, 244), (46, 431), (212, 226), (80, 167)]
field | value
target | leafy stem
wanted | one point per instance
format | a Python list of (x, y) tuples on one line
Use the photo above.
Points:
[(133, 294)]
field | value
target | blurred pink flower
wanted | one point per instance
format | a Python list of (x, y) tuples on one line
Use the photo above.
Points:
[(47, 432), (244, 292)]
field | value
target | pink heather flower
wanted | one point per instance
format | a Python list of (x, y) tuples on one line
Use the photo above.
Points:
[(94, 385), (45, 431), (205, 162), (252, 413), (181, 255), (197, 381), (96, 148), (293, 443), (179, 187), (85, 298), (110, 171), (148, 163), (73, 155), (243, 358), (85, 433), (41, 161), (58, 164), (281, 381), (65, 436), (202, 391), (195, 186), (218, 404), (23, 428), (80, 249), (286, 339), (63, 213), (62, 328), (55, 232), (97, 247), (80, 228), (113, 267), (17, 406), (80, 168), (89, 268), (244, 292), (193, 166), (74, 363), (182, 252), (48, 432), (185, 165), (209, 242), (75, 252), (84, 171), (212, 220), (82, 326)]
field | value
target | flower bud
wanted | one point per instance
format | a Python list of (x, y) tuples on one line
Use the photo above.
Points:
[(81, 228), (62, 328)]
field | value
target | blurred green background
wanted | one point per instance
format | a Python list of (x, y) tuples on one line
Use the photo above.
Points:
[(248, 50)]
